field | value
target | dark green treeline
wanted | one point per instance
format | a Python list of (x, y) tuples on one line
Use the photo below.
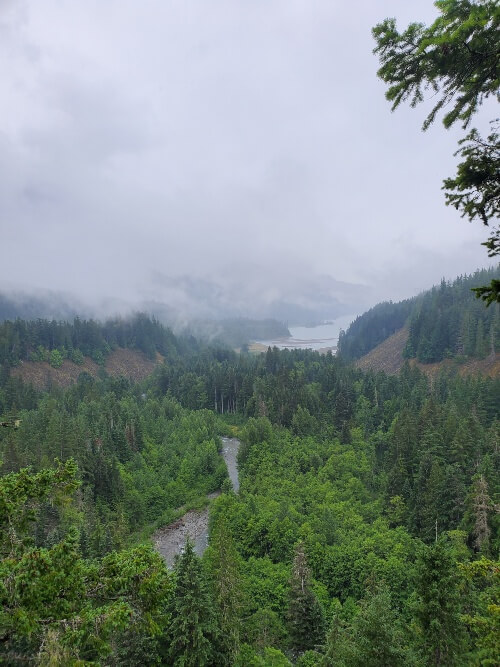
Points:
[(445, 322)]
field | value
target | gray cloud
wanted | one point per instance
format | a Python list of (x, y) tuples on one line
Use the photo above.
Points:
[(244, 144)]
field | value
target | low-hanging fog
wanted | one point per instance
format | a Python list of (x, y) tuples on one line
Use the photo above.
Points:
[(224, 157)]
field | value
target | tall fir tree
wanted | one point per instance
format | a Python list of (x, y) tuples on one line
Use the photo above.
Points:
[(482, 506), (193, 631), (223, 562), (438, 610), (305, 615)]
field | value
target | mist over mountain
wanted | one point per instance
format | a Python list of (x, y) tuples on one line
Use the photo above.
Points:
[(40, 304), (180, 300), (295, 300)]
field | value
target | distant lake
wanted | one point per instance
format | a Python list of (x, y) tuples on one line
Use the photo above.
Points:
[(315, 338)]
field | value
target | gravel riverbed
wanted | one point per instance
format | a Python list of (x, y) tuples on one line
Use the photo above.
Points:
[(169, 540)]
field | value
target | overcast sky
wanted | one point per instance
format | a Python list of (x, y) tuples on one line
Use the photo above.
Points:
[(244, 141)]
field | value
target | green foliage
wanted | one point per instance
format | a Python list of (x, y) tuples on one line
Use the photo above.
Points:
[(443, 322), (77, 357), (303, 423), (457, 58), (57, 606), (475, 190), (305, 615), (490, 293), (372, 639), (483, 608), (139, 581), (373, 327), (270, 657), (44, 340), (56, 359), (20, 495), (264, 629), (442, 632), (448, 321), (40, 354), (309, 659), (354, 468), (192, 633), (139, 458), (225, 570)]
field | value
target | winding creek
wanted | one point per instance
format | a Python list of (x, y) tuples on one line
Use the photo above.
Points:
[(169, 541)]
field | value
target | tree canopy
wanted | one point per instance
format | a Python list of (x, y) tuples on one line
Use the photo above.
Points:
[(327, 555)]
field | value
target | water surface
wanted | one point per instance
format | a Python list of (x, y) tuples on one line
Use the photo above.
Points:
[(320, 337)]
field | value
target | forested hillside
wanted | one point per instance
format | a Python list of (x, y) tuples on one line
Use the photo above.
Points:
[(365, 531), (446, 321), (54, 341), (53, 315), (450, 321)]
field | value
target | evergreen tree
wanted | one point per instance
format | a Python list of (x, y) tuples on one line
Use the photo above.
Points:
[(438, 611), (428, 499), (374, 639), (482, 346), (482, 506), (305, 614), (193, 630), (457, 59), (338, 648), (223, 562), (264, 629), (379, 640)]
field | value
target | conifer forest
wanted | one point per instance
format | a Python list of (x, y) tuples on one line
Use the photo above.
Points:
[(364, 532), (249, 367)]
